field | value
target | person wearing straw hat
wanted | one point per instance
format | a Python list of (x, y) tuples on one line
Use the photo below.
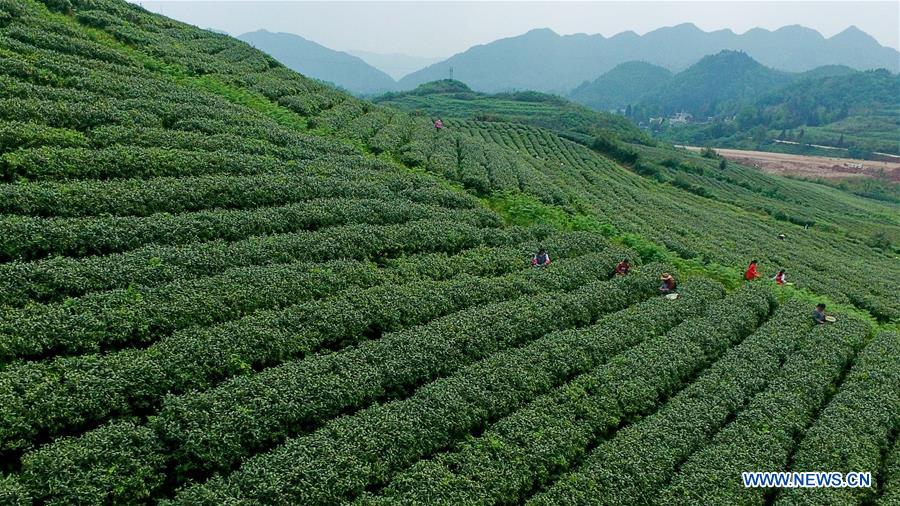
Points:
[(668, 285)]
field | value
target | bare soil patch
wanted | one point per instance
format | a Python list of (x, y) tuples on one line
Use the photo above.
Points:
[(812, 167)]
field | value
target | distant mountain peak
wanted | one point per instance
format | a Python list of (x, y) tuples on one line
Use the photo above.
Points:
[(853, 34), (540, 32), (798, 29), (730, 56), (627, 34), (682, 29), (853, 29)]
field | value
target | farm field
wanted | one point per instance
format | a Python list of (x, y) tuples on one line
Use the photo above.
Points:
[(224, 283), (811, 166), (685, 203), (454, 99)]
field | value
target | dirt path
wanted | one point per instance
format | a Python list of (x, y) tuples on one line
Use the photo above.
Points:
[(810, 166)]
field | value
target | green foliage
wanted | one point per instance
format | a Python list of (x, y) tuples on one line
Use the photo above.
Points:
[(525, 210), (529, 448), (174, 195), (611, 147), (642, 458), (762, 435), (621, 87), (15, 135), (453, 99), (877, 189), (716, 85), (94, 469), (709, 152), (446, 343), (195, 357), (891, 476), (55, 278), (264, 477), (856, 111), (221, 281), (120, 162), (855, 428), (251, 100), (12, 492)]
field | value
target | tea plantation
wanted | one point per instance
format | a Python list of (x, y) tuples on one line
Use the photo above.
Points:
[(224, 283)]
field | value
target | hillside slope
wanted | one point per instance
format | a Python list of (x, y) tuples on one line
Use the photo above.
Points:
[(454, 99), (714, 85), (223, 282), (624, 85), (857, 111), (317, 61)]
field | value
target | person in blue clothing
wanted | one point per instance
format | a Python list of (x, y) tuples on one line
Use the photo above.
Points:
[(819, 314)]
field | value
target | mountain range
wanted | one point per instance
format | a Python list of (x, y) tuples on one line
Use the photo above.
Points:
[(542, 60), (315, 60)]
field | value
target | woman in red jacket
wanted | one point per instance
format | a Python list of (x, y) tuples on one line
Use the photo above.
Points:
[(751, 273)]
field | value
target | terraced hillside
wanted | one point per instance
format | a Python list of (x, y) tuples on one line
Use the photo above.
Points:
[(224, 283), (454, 99), (728, 224), (840, 245)]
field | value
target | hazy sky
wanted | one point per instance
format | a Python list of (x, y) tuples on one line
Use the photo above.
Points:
[(433, 28)]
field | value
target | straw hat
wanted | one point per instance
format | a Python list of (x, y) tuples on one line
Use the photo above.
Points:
[(666, 275)]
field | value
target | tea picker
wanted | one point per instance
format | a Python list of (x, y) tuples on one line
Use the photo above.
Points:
[(540, 259), (819, 316), (750, 274), (668, 286), (779, 278)]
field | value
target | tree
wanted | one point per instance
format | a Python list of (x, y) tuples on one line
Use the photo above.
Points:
[(758, 133)]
